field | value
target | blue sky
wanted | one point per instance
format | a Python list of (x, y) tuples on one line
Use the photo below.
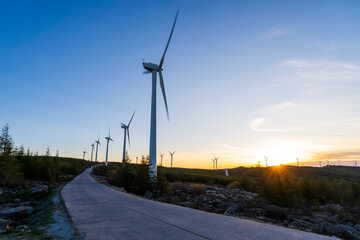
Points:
[(243, 79)]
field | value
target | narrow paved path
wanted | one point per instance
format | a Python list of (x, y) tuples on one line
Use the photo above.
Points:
[(101, 212)]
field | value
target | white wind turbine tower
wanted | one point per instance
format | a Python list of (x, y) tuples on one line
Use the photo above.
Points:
[(161, 156), (266, 161), (328, 163), (172, 155), (84, 152), (126, 132), (355, 163), (107, 147), (154, 69), (339, 162), (97, 142), (92, 150), (215, 161)]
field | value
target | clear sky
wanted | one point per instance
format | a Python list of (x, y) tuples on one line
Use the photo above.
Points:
[(243, 79)]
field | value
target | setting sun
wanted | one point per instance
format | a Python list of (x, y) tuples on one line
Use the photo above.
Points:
[(282, 154)]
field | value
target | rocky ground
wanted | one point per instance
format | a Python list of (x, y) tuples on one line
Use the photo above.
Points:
[(34, 213), (331, 219)]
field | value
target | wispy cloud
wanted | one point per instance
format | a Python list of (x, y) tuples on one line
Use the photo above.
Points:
[(323, 70), (277, 107), (273, 32), (339, 154), (257, 125)]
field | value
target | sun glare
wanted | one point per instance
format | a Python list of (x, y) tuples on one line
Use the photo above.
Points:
[(277, 155)]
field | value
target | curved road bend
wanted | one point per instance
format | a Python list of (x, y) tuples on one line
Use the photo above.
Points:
[(101, 212)]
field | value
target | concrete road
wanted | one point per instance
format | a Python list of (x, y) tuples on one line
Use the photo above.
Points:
[(101, 212)]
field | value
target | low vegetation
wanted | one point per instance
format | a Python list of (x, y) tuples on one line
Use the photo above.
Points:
[(323, 200), (26, 179)]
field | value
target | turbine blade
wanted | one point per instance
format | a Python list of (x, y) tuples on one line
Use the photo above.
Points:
[(131, 119), (146, 72), (128, 134), (167, 45), (164, 94)]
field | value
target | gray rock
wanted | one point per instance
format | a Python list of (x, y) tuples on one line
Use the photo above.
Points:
[(148, 194), (185, 204), (326, 228), (4, 224), (357, 227), (16, 211), (39, 188), (351, 236), (230, 211), (17, 200)]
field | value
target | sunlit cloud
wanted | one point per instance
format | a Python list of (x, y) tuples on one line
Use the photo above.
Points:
[(323, 70), (346, 154), (274, 32)]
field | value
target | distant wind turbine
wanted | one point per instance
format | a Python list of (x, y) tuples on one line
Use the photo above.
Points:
[(84, 152), (97, 142), (339, 162), (137, 159), (126, 132), (107, 147), (154, 69), (161, 155), (172, 155), (92, 150), (266, 161), (319, 162), (356, 162), (328, 163), (297, 160), (215, 161)]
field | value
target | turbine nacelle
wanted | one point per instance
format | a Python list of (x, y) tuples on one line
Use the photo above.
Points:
[(109, 139), (151, 67), (123, 126)]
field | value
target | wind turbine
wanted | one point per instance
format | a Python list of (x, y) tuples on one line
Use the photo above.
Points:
[(215, 161), (172, 155), (137, 159), (266, 159), (107, 147), (84, 152), (355, 163), (339, 162), (319, 162), (297, 160), (126, 131), (161, 155), (154, 69), (97, 142), (92, 150), (328, 163)]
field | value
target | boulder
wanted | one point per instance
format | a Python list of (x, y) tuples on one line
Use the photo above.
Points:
[(231, 211), (4, 224), (16, 212), (185, 204), (148, 195), (357, 227), (39, 188)]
